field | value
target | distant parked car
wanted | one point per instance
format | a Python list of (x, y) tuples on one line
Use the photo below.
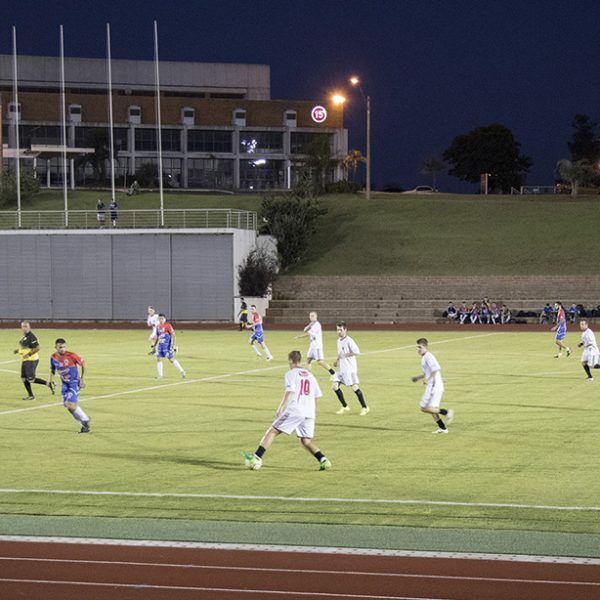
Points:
[(421, 189)]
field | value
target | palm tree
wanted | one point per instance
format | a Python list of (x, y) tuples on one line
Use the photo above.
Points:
[(433, 165), (351, 161), (576, 173), (319, 159)]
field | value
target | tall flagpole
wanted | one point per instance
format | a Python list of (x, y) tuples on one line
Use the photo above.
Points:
[(158, 128), (16, 113), (63, 116), (110, 114)]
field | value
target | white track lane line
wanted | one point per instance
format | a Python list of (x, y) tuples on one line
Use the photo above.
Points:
[(217, 377), (291, 571), (329, 500), (278, 548), (144, 586)]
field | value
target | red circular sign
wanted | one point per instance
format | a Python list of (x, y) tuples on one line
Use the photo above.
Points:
[(319, 114)]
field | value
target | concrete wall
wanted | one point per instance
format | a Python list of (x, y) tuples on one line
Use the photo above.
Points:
[(190, 275)]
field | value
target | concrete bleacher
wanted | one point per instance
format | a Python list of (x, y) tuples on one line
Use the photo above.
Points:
[(411, 299)]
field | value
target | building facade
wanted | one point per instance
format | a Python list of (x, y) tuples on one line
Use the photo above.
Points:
[(220, 129)]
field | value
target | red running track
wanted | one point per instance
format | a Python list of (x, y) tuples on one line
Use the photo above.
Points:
[(58, 571)]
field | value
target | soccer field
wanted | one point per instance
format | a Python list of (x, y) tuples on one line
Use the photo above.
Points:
[(524, 437)]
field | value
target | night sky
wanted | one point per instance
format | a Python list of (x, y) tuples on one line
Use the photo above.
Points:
[(433, 69)]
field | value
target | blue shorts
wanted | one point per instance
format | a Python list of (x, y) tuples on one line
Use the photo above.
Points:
[(70, 392), (258, 336), (560, 333), (165, 352)]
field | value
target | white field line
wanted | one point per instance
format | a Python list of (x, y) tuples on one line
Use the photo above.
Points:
[(8, 362), (216, 378), (8, 370), (291, 571), (146, 586), (278, 548), (331, 500)]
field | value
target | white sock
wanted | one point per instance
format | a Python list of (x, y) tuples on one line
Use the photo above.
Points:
[(256, 349), (267, 351), (177, 365), (79, 415), (159, 368)]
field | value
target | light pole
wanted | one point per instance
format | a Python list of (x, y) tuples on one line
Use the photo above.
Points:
[(355, 81)]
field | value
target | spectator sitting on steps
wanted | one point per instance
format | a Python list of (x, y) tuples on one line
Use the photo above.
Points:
[(463, 313), (547, 314), (494, 313), (134, 189), (451, 312), (505, 315)]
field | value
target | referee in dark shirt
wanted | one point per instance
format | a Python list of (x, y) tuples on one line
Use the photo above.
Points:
[(29, 349)]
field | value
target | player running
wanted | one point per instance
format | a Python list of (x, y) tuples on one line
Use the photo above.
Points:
[(561, 329), (348, 350), (258, 334), (28, 350), (296, 413), (243, 314), (434, 387), (590, 356), (165, 346), (315, 349), (67, 364), (152, 322)]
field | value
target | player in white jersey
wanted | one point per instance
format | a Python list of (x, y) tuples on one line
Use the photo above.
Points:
[(591, 354), (296, 413), (347, 374), (314, 331), (152, 322), (434, 387)]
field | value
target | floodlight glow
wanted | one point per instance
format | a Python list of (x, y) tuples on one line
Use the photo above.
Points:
[(338, 99), (354, 80)]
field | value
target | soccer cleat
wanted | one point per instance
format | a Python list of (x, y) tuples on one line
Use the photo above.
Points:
[(159, 377), (344, 409), (568, 352), (252, 461), (440, 430), (52, 387), (450, 416), (85, 427), (590, 379), (183, 375), (364, 411), (269, 358), (325, 465), (29, 398)]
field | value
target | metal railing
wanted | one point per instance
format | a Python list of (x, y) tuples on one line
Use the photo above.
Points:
[(175, 218)]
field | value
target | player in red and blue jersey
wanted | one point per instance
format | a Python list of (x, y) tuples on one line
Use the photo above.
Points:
[(165, 345), (67, 365), (258, 335), (561, 329)]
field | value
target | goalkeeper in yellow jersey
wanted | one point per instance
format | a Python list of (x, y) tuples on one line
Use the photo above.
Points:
[(28, 350)]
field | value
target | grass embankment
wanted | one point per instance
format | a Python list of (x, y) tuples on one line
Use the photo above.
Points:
[(414, 235)]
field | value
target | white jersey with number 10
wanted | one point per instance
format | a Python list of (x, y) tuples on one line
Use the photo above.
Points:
[(305, 391)]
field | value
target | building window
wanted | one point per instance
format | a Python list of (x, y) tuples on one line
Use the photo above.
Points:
[(39, 135), (301, 141), (209, 140), (210, 173), (171, 168), (261, 174), (290, 118), (135, 114), (145, 140), (261, 142), (92, 137), (170, 140), (187, 116), (239, 117)]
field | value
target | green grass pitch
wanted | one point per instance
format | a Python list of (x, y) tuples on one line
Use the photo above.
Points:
[(524, 433)]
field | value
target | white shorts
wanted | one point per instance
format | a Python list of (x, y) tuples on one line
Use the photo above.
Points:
[(289, 422), (348, 378), (153, 334), (432, 397), (590, 356), (315, 352)]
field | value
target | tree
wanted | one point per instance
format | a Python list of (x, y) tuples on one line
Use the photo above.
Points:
[(30, 186), (492, 149), (291, 220), (257, 272), (351, 161), (433, 165), (576, 173), (584, 144), (319, 160)]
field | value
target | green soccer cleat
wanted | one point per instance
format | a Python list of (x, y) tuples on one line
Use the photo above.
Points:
[(325, 465), (251, 461)]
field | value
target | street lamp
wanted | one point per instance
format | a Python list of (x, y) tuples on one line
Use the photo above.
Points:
[(338, 99), (355, 81)]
